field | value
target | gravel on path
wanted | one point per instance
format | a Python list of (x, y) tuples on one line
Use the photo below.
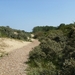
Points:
[(13, 63)]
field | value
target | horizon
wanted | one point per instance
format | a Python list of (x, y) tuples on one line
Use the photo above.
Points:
[(25, 15)]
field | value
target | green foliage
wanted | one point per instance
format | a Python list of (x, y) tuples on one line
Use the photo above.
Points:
[(37, 54), (66, 28), (13, 33), (38, 34), (2, 53), (56, 53), (68, 67), (42, 69), (43, 28), (40, 30)]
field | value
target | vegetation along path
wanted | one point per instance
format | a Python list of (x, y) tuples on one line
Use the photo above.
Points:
[(13, 64)]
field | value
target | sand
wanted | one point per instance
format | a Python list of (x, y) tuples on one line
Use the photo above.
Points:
[(7, 44), (14, 63)]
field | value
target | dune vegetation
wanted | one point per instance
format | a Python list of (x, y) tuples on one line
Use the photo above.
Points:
[(6, 31), (56, 53), (11, 39)]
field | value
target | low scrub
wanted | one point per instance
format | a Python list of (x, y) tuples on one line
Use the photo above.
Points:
[(56, 53)]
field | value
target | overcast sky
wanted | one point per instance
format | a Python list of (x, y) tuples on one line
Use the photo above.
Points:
[(26, 14)]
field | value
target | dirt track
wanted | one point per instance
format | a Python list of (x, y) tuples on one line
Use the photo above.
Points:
[(13, 64)]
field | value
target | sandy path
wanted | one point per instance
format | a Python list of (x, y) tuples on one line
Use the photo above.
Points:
[(7, 44), (13, 64)]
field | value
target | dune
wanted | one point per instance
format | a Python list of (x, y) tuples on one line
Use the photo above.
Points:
[(7, 44)]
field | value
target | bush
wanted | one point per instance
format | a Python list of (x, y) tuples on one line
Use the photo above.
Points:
[(56, 53), (13, 33)]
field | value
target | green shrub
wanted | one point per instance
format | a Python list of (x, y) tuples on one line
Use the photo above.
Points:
[(56, 53), (13, 33)]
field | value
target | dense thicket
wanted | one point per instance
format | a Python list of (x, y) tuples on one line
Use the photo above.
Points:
[(6, 31), (56, 53), (39, 31)]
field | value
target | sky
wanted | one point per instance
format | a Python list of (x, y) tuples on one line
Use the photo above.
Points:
[(26, 14)]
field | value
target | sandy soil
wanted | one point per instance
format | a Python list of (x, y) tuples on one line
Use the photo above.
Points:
[(7, 45), (13, 64)]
